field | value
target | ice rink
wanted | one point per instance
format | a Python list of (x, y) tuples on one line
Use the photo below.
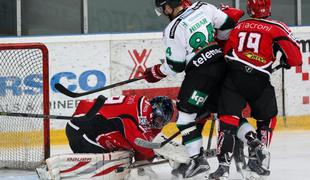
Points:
[(290, 160)]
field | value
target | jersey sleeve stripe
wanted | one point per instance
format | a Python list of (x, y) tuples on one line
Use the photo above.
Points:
[(140, 106), (174, 27), (199, 4)]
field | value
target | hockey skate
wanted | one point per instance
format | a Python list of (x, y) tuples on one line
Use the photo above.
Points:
[(197, 165), (222, 172), (259, 160)]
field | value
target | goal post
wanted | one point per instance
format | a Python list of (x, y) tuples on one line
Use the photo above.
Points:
[(24, 88)]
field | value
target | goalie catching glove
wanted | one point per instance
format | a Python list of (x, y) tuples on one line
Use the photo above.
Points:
[(153, 74)]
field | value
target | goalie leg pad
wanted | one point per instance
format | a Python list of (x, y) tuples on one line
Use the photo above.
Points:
[(106, 166)]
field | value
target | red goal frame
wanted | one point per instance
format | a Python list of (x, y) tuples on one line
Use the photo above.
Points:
[(45, 73)]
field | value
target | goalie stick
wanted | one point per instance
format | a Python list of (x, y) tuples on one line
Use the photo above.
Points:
[(30, 115), (91, 113), (69, 93)]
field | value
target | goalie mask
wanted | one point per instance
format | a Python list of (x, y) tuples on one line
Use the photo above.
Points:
[(173, 3), (259, 8), (162, 111)]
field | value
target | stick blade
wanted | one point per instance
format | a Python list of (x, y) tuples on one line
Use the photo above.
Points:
[(65, 91), (147, 144)]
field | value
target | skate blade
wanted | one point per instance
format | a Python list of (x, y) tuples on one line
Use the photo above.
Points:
[(240, 167), (250, 175)]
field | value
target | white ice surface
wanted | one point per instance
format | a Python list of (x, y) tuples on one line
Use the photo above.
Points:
[(290, 160)]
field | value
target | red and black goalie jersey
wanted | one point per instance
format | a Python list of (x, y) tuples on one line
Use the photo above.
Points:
[(127, 118)]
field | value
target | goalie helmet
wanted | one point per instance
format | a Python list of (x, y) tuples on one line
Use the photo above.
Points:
[(173, 3), (259, 8), (162, 111)]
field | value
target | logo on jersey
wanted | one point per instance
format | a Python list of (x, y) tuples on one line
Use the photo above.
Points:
[(139, 59), (248, 69), (205, 55), (255, 57), (198, 98)]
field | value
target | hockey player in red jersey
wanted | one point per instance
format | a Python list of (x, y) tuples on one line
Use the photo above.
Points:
[(250, 52), (116, 125)]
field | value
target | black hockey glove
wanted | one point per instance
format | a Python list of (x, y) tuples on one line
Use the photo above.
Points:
[(283, 63)]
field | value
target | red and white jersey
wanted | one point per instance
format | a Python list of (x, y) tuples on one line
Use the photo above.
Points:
[(252, 42), (133, 114)]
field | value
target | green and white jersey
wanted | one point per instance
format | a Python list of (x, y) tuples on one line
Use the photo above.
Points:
[(189, 32)]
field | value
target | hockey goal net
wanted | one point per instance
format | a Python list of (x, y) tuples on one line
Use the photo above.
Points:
[(24, 142)]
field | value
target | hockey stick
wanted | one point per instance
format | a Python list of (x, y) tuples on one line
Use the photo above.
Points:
[(154, 145), (211, 131), (91, 113), (211, 152), (29, 115), (69, 93), (279, 66)]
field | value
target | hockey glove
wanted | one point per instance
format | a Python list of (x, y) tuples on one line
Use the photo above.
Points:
[(233, 13), (283, 63), (153, 74)]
